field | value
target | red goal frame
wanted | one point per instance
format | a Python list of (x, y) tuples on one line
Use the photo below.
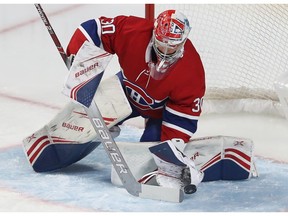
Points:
[(149, 11)]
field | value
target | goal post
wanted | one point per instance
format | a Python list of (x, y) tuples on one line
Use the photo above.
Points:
[(149, 11), (244, 51)]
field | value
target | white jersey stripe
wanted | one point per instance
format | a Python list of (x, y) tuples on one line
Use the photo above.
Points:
[(175, 127), (86, 34), (99, 32), (182, 114)]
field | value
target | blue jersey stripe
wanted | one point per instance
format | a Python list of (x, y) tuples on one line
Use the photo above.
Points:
[(180, 121), (91, 28)]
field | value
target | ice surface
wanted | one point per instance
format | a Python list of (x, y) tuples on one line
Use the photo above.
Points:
[(86, 185)]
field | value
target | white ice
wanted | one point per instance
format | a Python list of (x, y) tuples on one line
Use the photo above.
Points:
[(32, 74)]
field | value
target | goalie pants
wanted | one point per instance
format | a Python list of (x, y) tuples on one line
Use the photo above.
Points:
[(152, 131)]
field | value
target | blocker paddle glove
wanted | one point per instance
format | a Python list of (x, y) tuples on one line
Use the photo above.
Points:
[(175, 170)]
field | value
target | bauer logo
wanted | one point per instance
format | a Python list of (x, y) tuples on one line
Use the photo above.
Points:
[(85, 70), (72, 127), (110, 146), (197, 154)]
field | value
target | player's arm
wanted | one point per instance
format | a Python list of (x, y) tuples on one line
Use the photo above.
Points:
[(182, 111), (180, 117), (102, 32), (179, 121)]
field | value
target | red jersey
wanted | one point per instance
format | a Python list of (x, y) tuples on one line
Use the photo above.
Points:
[(177, 98)]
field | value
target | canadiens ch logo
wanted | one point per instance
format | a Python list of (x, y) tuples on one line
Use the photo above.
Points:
[(139, 98)]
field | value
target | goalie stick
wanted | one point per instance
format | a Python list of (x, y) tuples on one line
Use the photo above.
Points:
[(129, 182)]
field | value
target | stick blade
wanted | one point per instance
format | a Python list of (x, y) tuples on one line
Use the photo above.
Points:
[(160, 193)]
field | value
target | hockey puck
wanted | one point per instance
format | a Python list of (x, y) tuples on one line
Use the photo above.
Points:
[(190, 189)]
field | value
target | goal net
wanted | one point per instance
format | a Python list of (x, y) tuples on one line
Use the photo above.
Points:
[(244, 51)]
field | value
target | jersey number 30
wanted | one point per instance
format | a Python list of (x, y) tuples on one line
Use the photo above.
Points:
[(197, 104), (107, 26)]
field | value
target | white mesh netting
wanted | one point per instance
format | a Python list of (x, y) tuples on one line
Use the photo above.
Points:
[(243, 48)]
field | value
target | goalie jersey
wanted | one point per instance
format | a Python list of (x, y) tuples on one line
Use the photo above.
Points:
[(176, 99)]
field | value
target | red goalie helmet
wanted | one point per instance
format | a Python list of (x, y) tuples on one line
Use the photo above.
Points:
[(171, 29)]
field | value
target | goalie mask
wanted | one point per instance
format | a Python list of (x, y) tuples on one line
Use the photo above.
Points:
[(170, 33)]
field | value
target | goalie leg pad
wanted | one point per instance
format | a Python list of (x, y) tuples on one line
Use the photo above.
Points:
[(219, 157), (69, 136), (58, 155), (224, 158)]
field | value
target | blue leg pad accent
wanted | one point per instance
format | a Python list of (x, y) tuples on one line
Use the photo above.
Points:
[(225, 170), (213, 173), (232, 171), (57, 156)]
